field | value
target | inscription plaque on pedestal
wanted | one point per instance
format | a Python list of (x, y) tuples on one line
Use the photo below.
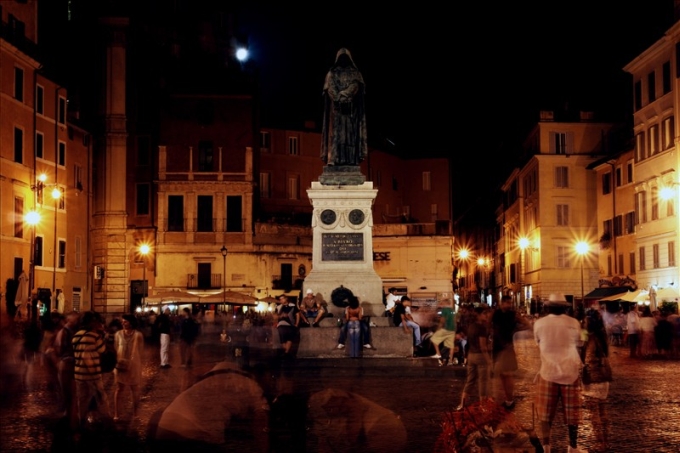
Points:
[(342, 246)]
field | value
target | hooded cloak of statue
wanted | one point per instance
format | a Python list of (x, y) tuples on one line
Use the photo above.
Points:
[(343, 138)]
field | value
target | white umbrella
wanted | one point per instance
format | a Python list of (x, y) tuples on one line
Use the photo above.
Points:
[(668, 293), (638, 295)]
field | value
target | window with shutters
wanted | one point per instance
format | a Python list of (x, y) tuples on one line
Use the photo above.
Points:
[(562, 177)]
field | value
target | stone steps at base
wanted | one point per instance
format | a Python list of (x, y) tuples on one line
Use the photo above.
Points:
[(323, 342)]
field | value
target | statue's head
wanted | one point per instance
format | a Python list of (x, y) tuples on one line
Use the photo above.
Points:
[(344, 58)]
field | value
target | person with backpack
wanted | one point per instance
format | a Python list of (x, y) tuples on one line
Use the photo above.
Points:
[(287, 324), (189, 329)]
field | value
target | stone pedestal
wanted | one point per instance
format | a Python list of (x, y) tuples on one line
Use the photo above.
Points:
[(342, 253)]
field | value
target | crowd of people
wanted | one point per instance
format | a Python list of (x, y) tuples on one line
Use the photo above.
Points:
[(71, 346)]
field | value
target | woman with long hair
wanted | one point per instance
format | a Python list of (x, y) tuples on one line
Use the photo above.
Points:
[(596, 391), (129, 343)]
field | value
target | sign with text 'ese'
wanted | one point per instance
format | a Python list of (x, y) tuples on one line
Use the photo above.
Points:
[(342, 246)]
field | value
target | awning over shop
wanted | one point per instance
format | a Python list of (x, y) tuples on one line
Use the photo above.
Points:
[(606, 291)]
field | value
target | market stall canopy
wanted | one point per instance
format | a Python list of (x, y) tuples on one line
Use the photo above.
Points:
[(172, 296), (230, 297), (638, 295), (605, 292), (667, 293), (269, 300)]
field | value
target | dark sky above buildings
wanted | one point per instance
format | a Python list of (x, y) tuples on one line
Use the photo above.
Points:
[(462, 79)]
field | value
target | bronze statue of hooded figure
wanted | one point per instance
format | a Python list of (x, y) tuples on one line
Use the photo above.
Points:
[(343, 139)]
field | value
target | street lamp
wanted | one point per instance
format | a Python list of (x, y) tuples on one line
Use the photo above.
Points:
[(523, 244), (56, 195), (144, 251), (464, 254), (224, 277), (32, 218), (581, 248)]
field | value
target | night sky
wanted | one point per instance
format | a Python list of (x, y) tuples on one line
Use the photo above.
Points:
[(464, 80), (450, 80)]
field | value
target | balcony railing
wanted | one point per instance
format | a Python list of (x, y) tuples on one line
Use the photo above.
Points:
[(196, 281), (208, 225)]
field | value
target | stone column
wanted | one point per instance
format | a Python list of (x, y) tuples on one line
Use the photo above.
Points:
[(110, 238)]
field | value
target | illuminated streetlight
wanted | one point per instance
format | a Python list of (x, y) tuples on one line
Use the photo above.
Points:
[(582, 249), (464, 254)]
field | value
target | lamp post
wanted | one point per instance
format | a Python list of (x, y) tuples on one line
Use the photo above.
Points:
[(32, 218), (224, 277), (56, 195), (464, 255), (581, 248), (144, 251), (523, 244)]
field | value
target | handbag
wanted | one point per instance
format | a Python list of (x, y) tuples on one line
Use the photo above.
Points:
[(600, 370)]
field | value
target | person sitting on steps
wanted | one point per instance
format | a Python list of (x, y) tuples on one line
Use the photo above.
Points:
[(404, 319), (311, 309)]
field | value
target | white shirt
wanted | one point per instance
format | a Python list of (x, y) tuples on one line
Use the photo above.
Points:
[(390, 301), (558, 338), (633, 322)]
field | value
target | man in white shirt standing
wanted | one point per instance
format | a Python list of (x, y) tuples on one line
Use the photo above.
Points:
[(558, 338)]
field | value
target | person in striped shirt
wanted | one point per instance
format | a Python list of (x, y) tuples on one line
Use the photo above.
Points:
[(88, 344)]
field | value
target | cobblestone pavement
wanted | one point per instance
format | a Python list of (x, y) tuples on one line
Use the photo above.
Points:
[(643, 406)]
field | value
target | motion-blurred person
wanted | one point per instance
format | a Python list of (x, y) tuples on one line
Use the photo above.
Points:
[(633, 332), (340, 420), (164, 327), (445, 333), (479, 357), (63, 347), (189, 329), (188, 424), (647, 326), (88, 345), (401, 318), (663, 335), (558, 336), (596, 351), (52, 325), (505, 322), (129, 343), (32, 339), (287, 324)]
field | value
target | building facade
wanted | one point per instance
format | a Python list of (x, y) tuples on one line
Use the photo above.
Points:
[(549, 206), (655, 74), (45, 164)]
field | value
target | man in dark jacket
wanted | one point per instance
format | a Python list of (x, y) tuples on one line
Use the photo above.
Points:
[(187, 337)]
